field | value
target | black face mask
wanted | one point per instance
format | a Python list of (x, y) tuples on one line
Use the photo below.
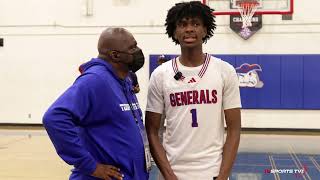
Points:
[(137, 61)]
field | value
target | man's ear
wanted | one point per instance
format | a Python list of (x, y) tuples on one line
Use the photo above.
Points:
[(114, 55)]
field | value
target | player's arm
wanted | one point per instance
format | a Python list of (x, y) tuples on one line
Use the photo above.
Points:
[(155, 107), (158, 153), (230, 148), (231, 105)]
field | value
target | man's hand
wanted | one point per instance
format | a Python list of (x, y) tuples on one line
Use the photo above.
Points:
[(136, 89), (106, 172)]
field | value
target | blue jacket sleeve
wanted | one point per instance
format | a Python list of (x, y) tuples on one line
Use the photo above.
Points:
[(61, 121)]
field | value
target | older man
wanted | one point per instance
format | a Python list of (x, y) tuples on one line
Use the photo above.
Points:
[(96, 124)]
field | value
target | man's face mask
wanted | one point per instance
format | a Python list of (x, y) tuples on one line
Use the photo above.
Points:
[(137, 60)]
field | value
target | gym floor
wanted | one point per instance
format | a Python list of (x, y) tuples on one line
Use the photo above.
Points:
[(28, 154)]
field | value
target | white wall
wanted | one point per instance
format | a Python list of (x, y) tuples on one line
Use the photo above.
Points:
[(46, 40)]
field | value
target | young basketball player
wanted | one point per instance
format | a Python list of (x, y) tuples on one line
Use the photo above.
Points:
[(197, 92)]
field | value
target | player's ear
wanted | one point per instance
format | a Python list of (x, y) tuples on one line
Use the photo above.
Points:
[(175, 35), (205, 33)]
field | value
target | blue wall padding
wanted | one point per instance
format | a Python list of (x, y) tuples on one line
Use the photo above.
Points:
[(311, 82), (290, 81), (270, 94)]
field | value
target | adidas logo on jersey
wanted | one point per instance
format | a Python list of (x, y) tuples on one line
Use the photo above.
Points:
[(192, 80)]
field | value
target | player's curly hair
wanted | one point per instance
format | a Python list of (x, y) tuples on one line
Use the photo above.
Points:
[(187, 10)]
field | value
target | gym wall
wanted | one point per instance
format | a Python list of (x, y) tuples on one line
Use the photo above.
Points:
[(45, 42)]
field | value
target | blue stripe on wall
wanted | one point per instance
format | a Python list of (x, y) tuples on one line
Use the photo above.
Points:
[(290, 81)]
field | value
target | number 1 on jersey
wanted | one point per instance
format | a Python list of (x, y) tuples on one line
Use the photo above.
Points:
[(194, 118)]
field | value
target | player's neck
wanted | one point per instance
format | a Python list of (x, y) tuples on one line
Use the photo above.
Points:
[(192, 57)]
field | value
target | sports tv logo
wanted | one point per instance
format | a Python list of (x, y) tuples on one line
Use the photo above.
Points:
[(248, 75), (295, 172)]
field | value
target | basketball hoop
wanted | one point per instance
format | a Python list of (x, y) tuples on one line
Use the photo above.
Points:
[(247, 8)]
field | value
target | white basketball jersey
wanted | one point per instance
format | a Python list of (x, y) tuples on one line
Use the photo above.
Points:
[(194, 106)]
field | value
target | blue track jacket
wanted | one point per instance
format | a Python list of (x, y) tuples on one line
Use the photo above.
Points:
[(92, 122)]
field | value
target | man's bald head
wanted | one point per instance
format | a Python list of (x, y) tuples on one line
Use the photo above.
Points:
[(113, 39), (118, 47)]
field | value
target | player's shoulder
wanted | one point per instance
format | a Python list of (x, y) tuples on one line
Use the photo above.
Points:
[(221, 64)]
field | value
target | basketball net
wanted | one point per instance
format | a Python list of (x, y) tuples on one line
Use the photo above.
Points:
[(247, 8)]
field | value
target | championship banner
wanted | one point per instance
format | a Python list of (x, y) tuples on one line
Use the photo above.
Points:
[(236, 25)]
